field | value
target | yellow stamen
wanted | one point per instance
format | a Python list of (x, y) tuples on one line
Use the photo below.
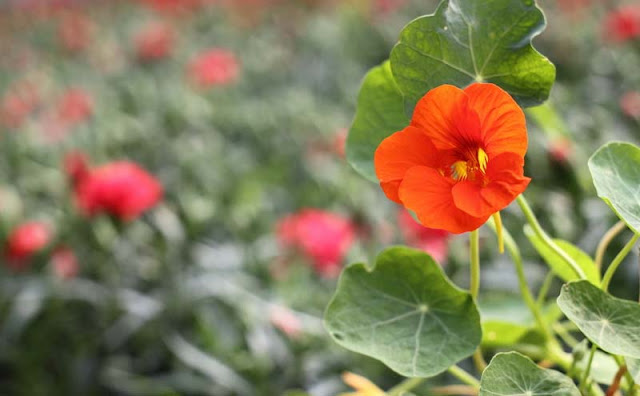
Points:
[(459, 170), (361, 385), (483, 159), (498, 221)]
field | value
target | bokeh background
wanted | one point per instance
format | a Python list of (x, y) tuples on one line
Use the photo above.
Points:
[(175, 203)]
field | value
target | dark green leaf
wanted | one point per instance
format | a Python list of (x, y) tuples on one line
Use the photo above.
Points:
[(611, 323), (380, 113), (558, 265), (405, 313), (475, 40), (512, 374), (615, 169)]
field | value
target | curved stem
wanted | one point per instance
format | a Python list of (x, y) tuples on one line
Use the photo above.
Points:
[(405, 386), (606, 279), (587, 370), (512, 247), (478, 360), (544, 289), (464, 376), (474, 254), (533, 222), (606, 239)]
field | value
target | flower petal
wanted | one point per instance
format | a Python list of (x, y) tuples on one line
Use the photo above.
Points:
[(444, 114), (505, 173), (400, 152), (502, 121), (425, 191)]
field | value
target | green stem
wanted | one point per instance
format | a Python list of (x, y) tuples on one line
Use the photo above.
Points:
[(533, 222), (606, 239), (587, 370), (544, 289), (514, 251), (474, 253), (606, 279), (564, 335), (405, 386), (464, 376)]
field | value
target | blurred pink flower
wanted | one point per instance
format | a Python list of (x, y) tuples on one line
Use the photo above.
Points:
[(25, 241), (216, 66), (64, 263), (74, 106), (173, 6), (559, 149), (18, 103), (285, 320), (75, 31), (122, 189), (339, 143), (386, 7), (432, 241), (322, 236), (622, 24), (630, 104), (155, 41)]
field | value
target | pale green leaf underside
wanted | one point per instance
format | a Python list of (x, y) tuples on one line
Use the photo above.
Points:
[(380, 113), (475, 40), (405, 313), (615, 169), (557, 263), (512, 374), (633, 365), (611, 323)]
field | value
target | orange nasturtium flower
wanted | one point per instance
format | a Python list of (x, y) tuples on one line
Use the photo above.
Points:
[(460, 160)]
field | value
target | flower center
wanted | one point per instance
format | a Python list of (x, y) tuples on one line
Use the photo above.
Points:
[(467, 169)]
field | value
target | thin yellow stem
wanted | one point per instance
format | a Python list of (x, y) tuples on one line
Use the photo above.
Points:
[(606, 279), (498, 220), (474, 254)]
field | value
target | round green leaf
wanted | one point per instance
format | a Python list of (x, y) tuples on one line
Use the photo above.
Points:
[(380, 113), (475, 40), (405, 313), (615, 169), (512, 374), (557, 263), (633, 365), (611, 323)]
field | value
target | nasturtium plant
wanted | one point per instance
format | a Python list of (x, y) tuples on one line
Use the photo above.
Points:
[(405, 313), (512, 374), (469, 41), (380, 113), (615, 169), (558, 265), (633, 365), (611, 323)]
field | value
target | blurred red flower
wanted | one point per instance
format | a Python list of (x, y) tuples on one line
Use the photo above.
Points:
[(559, 149), (122, 189), (64, 263), (25, 241), (339, 143), (622, 24), (432, 241), (18, 102), (212, 67), (630, 104), (74, 106), (75, 31), (322, 236), (154, 41)]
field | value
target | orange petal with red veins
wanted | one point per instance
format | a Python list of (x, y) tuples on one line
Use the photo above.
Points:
[(400, 152), (502, 121), (505, 173), (444, 115), (425, 191)]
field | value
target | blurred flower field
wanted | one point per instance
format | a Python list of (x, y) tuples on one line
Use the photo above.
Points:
[(175, 202)]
